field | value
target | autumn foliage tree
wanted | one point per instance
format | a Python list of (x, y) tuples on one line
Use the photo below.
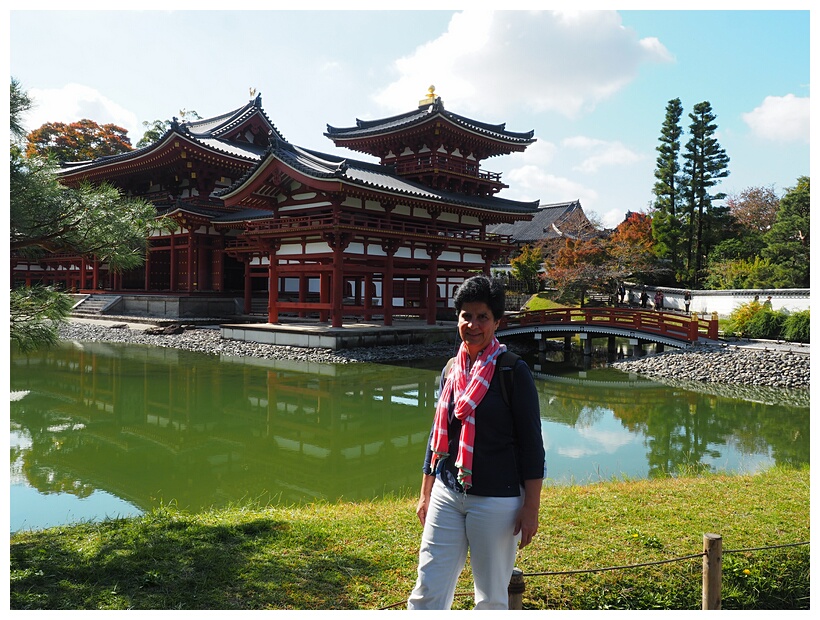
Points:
[(600, 262), (631, 248), (81, 141)]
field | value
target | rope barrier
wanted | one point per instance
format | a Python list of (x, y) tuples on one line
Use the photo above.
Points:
[(797, 544), (628, 566), (609, 568)]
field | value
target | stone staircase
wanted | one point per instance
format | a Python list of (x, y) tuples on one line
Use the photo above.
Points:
[(95, 305)]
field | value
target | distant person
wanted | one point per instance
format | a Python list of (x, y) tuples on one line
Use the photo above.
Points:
[(484, 464), (768, 303), (658, 300), (621, 293), (644, 298), (687, 299)]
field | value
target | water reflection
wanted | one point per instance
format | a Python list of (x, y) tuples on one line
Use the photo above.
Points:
[(146, 425)]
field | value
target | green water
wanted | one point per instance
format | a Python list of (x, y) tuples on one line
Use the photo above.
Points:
[(104, 430)]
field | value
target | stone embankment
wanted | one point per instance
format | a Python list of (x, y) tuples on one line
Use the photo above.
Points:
[(732, 365), (208, 340)]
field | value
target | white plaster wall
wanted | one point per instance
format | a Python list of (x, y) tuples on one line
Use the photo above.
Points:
[(725, 302)]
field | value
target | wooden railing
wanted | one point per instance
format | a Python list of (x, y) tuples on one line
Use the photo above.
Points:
[(352, 222), (670, 324), (445, 164)]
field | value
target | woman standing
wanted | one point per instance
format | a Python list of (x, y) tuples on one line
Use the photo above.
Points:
[(484, 464)]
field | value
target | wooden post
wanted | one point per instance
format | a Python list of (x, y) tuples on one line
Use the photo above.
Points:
[(515, 591), (712, 570)]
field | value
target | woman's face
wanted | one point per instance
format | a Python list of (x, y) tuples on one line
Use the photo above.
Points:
[(476, 326)]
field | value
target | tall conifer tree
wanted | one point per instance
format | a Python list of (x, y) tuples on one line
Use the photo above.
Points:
[(666, 223), (705, 163)]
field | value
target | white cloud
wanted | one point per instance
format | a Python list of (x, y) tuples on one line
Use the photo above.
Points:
[(609, 218), (601, 153), (781, 119), (492, 62), (531, 182), (539, 153), (74, 102), (594, 441)]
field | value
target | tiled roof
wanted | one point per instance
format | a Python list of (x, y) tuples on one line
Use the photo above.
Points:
[(209, 132), (242, 216), (540, 226), (223, 124), (422, 115), (375, 176)]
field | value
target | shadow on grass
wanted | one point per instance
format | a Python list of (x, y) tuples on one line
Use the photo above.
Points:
[(176, 562)]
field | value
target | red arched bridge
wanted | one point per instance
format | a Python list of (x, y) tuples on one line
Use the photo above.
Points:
[(671, 328)]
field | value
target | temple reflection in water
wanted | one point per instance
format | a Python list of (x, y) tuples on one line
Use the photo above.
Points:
[(158, 425)]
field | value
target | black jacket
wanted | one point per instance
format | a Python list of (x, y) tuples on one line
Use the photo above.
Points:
[(508, 446)]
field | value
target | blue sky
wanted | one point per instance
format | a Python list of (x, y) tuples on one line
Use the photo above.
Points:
[(592, 84)]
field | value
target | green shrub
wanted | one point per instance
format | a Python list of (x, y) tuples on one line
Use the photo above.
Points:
[(796, 327), (766, 324), (742, 315)]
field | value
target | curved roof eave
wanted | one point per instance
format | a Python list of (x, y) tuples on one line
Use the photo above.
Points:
[(422, 116), (217, 126), (321, 168), (251, 155)]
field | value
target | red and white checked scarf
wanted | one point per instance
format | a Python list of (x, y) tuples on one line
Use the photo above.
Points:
[(468, 387)]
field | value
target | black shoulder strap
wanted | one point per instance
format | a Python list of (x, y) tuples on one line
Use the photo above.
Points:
[(506, 363)]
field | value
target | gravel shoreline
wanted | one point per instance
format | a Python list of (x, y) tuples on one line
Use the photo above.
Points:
[(742, 366), (208, 340), (734, 365)]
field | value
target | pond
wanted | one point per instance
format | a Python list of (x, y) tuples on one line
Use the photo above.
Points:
[(105, 430)]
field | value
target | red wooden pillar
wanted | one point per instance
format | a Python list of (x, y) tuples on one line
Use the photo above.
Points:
[(148, 269), (174, 266), (338, 243), (273, 285), (432, 284), (324, 295), (246, 260), (390, 248), (191, 261), (368, 296), (303, 291), (488, 263), (95, 274)]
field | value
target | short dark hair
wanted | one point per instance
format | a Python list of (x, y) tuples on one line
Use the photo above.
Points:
[(481, 288)]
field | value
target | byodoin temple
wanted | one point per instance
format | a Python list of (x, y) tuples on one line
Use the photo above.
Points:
[(260, 222)]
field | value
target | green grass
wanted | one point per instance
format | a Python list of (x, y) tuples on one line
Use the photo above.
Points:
[(363, 555), (541, 301)]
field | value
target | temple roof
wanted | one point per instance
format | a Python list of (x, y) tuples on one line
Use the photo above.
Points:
[(218, 133), (424, 114), (323, 166), (224, 125), (545, 224)]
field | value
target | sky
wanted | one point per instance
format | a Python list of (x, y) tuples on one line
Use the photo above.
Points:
[(592, 84)]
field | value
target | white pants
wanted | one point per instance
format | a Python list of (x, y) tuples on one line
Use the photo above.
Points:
[(456, 522)]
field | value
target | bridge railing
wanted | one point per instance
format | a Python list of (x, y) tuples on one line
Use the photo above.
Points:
[(670, 324)]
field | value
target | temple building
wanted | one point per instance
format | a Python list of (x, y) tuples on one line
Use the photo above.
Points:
[(260, 223)]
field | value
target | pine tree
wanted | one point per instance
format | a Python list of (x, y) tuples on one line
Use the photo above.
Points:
[(788, 239), (45, 216), (666, 222), (705, 163)]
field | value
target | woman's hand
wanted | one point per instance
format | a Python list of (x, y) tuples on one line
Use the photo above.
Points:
[(424, 498), (527, 520), (421, 509)]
